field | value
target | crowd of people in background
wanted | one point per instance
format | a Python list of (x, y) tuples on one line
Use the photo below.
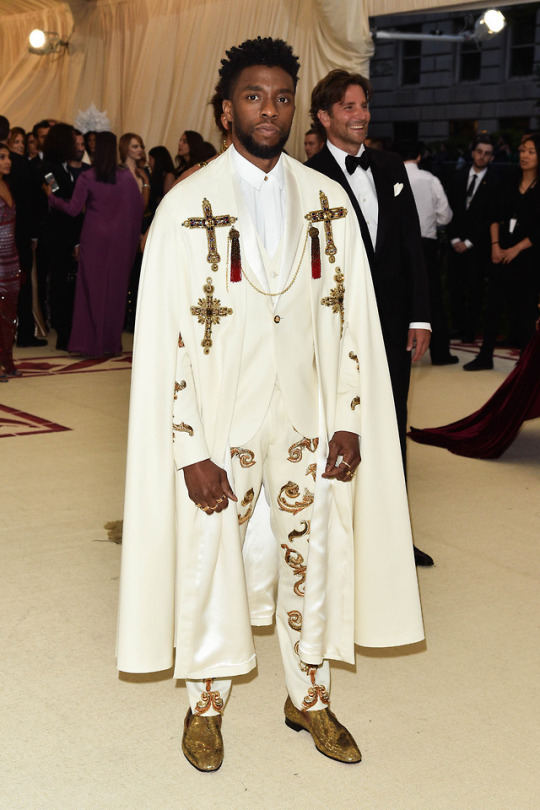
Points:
[(75, 208)]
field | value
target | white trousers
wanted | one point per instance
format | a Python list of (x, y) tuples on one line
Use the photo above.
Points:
[(282, 461)]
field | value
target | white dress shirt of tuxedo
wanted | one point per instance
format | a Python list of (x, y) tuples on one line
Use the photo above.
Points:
[(363, 186), (479, 177), (431, 202)]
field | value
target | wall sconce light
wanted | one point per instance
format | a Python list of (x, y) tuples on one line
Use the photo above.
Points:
[(43, 42)]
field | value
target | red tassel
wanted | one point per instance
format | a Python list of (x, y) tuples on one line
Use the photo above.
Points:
[(315, 253), (236, 263)]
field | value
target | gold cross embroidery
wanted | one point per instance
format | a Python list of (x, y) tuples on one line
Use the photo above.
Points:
[(209, 312), (336, 298), (210, 222), (326, 215)]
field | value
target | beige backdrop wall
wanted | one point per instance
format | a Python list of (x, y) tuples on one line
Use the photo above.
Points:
[(152, 64)]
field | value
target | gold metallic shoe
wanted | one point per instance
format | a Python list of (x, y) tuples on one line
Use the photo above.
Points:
[(330, 737), (202, 742)]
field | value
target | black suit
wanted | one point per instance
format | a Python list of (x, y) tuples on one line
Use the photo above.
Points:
[(467, 271), (396, 261)]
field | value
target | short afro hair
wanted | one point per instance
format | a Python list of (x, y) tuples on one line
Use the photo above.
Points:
[(267, 51)]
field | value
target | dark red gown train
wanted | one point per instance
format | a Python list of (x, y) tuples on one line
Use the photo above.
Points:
[(488, 432)]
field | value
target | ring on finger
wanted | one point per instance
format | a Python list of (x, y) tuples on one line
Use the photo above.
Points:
[(220, 500), (346, 463), (207, 508)]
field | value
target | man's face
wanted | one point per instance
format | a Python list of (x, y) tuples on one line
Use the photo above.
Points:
[(79, 147), (260, 113), (482, 156), (312, 145), (40, 137), (346, 123)]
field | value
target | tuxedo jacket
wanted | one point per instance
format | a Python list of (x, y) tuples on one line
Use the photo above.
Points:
[(472, 223), (396, 260)]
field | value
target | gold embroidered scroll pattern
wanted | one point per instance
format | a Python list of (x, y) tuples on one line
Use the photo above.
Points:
[(180, 342), (354, 402), (245, 457), (295, 450), (312, 470), (183, 428), (295, 561), (209, 698), (354, 357), (210, 223), (179, 386), (209, 312), (291, 491), (296, 533), (247, 501), (295, 620), (315, 692), (326, 215), (336, 298)]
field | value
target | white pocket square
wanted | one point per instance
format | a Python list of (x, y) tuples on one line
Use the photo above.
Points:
[(397, 188)]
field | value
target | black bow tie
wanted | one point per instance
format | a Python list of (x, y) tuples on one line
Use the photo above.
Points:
[(352, 162)]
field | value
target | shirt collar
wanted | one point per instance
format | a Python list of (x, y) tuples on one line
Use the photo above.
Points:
[(340, 155), (254, 176), (479, 175)]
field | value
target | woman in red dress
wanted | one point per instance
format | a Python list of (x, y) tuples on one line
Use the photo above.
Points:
[(10, 272)]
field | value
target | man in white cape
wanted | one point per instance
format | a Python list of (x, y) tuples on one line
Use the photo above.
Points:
[(258, 360)]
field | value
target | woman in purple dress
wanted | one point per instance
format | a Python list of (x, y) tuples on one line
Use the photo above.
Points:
[(10, 273), (109, 239)]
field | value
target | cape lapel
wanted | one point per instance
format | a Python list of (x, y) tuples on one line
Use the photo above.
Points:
[(294, 232)]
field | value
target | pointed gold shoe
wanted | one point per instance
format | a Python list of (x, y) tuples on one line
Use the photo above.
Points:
[(202, 742), (330, 737)]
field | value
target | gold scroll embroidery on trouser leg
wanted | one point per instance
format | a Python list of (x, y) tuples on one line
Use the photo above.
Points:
[(209, 698), (315, 692)]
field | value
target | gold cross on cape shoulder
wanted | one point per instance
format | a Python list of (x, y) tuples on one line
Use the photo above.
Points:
[(210, 222), (326, 215), (209, 312)]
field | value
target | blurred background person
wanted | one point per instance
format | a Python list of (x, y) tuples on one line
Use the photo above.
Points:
[(24, 187), (190, 151), (133, 157), (9, 271), (16, 141), (90, 144), (433, 212), (60, 233), (313, 143), (31, 146), (109, 240), (162, 175), (76, 164), (514, 280), (471, 191)]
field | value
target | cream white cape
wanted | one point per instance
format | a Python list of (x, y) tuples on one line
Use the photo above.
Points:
[(183, 583)]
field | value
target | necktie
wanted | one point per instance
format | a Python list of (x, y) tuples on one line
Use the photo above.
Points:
[(352, 162), (470, 190)]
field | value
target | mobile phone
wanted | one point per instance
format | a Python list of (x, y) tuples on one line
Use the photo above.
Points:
[(50, 179)]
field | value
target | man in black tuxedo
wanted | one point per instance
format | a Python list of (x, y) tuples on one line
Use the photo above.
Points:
[(381, 196), (471, 194)]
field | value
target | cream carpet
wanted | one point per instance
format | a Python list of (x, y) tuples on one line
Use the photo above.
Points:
[(450, 725)]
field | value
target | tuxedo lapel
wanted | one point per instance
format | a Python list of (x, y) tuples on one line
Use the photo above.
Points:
[(385, 192), (325, 163)]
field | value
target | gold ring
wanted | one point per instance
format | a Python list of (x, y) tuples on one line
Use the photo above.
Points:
[(346, 464), (349, 473), (220, 500), (207, 508)]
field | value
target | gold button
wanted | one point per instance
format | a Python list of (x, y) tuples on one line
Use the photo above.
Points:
[(266, 178), (276, 319)]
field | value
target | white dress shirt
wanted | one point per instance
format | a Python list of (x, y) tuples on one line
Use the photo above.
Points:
[(264, 195), (479, 177), (431, 201)]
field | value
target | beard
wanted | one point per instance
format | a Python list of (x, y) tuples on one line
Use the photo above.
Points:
[(260, 150)]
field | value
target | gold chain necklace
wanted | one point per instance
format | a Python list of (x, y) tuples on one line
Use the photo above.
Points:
[(257, 289)]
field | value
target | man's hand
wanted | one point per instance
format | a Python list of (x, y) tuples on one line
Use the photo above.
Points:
[(208, 486), (459, 247), (509, 254), (419, 340), (343, 443)]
